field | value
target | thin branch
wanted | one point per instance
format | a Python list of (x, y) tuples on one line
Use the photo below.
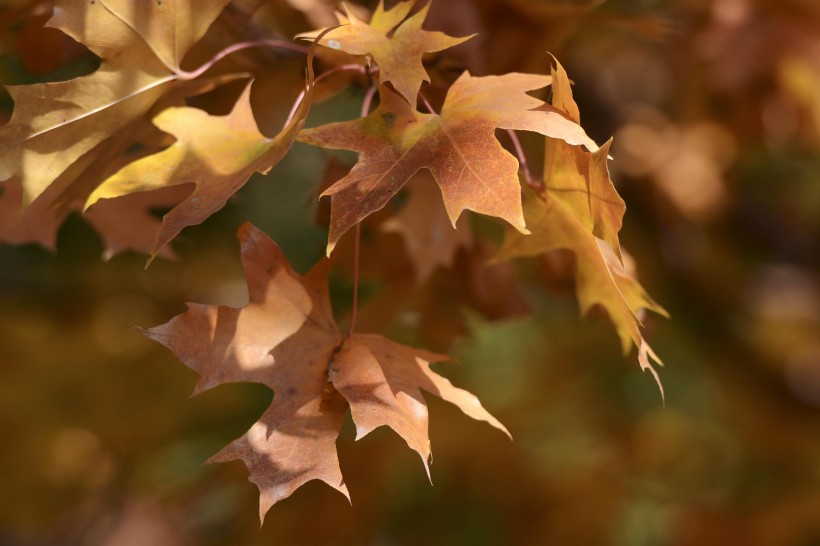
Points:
[(280, 44), (361, 68), (356, 247), (367, 103), (350, 67), (295, 107), (427, 103), (532, 182)]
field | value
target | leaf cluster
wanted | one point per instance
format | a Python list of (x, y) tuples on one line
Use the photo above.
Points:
[(126, 138)]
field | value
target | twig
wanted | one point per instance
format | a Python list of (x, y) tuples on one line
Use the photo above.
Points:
[(367, 103), (281, 44), (532, 182)]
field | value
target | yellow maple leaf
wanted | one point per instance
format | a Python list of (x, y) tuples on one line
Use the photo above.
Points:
[(141, 46), (396, 47)]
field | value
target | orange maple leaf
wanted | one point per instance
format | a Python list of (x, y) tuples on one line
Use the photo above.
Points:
[(458, 146)]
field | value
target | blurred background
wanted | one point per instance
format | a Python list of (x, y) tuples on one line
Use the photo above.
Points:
[(715, 110)]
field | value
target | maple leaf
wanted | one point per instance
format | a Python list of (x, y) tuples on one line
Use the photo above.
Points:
[(600, 277), (286, 338), (431, 240), (125, 223), (215, 153), (580, 210), (458, 146), (397, 47), (141, 47)]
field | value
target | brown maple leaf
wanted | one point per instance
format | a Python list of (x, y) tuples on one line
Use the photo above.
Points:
[(141, 47), (286, 338), (580, 181), (458, 146), (128, 222), (562, 92), (560, 223)]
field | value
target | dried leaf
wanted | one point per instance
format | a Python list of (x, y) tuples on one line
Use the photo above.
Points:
[(125, 223), (600, 278), (286, 338), (40, 226), (578, 179), (581, 182), (580, 210)]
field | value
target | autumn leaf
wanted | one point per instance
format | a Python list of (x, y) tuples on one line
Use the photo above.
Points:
[(558, 223), (217, 154), (124, 224), (458, 146), (286, 338), (141, 48), (580, 210), (562, 92), (128, 222), (600, 278), (397, 47)]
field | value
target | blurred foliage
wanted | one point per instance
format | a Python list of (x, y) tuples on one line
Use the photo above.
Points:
[(715, 108)]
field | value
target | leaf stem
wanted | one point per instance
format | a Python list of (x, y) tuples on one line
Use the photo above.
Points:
[(532, 182), (345, 67), (367, 103), (352, 67), (356, 248), (427, 104), (282, 44)]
